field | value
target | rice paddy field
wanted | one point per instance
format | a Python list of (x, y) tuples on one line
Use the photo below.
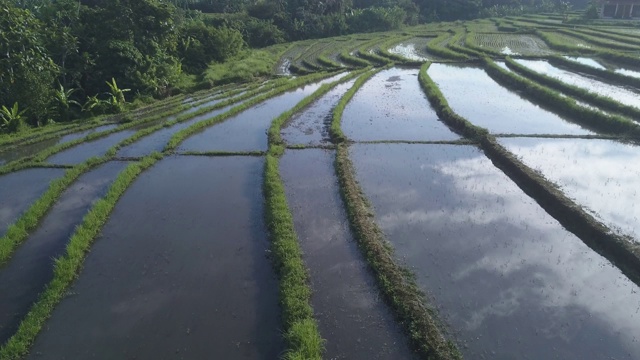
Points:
[(461, 190)]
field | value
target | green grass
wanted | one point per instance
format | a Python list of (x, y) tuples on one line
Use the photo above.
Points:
[(337, 136), (248, 66), (68, 266), (603, 102), (607, 124), (396, 283), (352, 60), (300, 327), (434, 47)]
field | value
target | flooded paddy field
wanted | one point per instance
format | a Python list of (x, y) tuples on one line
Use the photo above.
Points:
[(474, 95), (352, 317), (507, 279), (32, 149), (30, 269), (621, 94), (83, 152), (311, 126), (293, 245), (18, 190), (180, 268), (600, 175), (247, 130), (392, 106)]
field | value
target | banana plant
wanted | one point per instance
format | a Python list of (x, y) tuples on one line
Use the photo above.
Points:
[(63, 103), (116, 95), (11, 119)]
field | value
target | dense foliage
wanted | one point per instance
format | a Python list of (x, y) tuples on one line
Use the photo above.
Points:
[(64, 59)]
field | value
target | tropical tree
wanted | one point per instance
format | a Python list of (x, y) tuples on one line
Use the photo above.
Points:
[(11, 119)]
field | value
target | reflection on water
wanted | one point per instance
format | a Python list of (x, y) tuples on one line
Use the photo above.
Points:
[(586, 61), (628, 72), (475, 96), (600, 175), (408, 51), (392, 106), (618, 93), (247, 131), (506, 277)]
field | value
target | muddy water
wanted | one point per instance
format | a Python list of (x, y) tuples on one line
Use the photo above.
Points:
[(247, 131), (311, 126), (83, 152), (474, 95), (506, 277), (159, 139), (180, 268), (20, 189), (392, 106), (352, 316), (30, 269), (33, 149), (618, 93), (606, 188)]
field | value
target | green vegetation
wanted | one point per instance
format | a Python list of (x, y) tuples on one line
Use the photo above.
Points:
[(301, 329), (396, 284), (67, 267), (437, 46)]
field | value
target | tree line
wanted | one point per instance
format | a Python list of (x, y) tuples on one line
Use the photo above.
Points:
[(65, 59)]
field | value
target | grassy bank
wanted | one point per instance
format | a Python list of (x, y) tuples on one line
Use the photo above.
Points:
[(301, 331), (67, 266), (435, 47), (395, 282)]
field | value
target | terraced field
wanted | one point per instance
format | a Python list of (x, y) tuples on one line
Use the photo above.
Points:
[(451, 190)]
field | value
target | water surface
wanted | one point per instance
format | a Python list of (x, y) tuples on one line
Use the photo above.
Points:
[(600, 175), (393, 106), (180, 268), (83, 152), (352, 316), (477, 97), (506, 277), (311, 125), (247, 131), (621, 94), (18, 190), (30, 268)]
